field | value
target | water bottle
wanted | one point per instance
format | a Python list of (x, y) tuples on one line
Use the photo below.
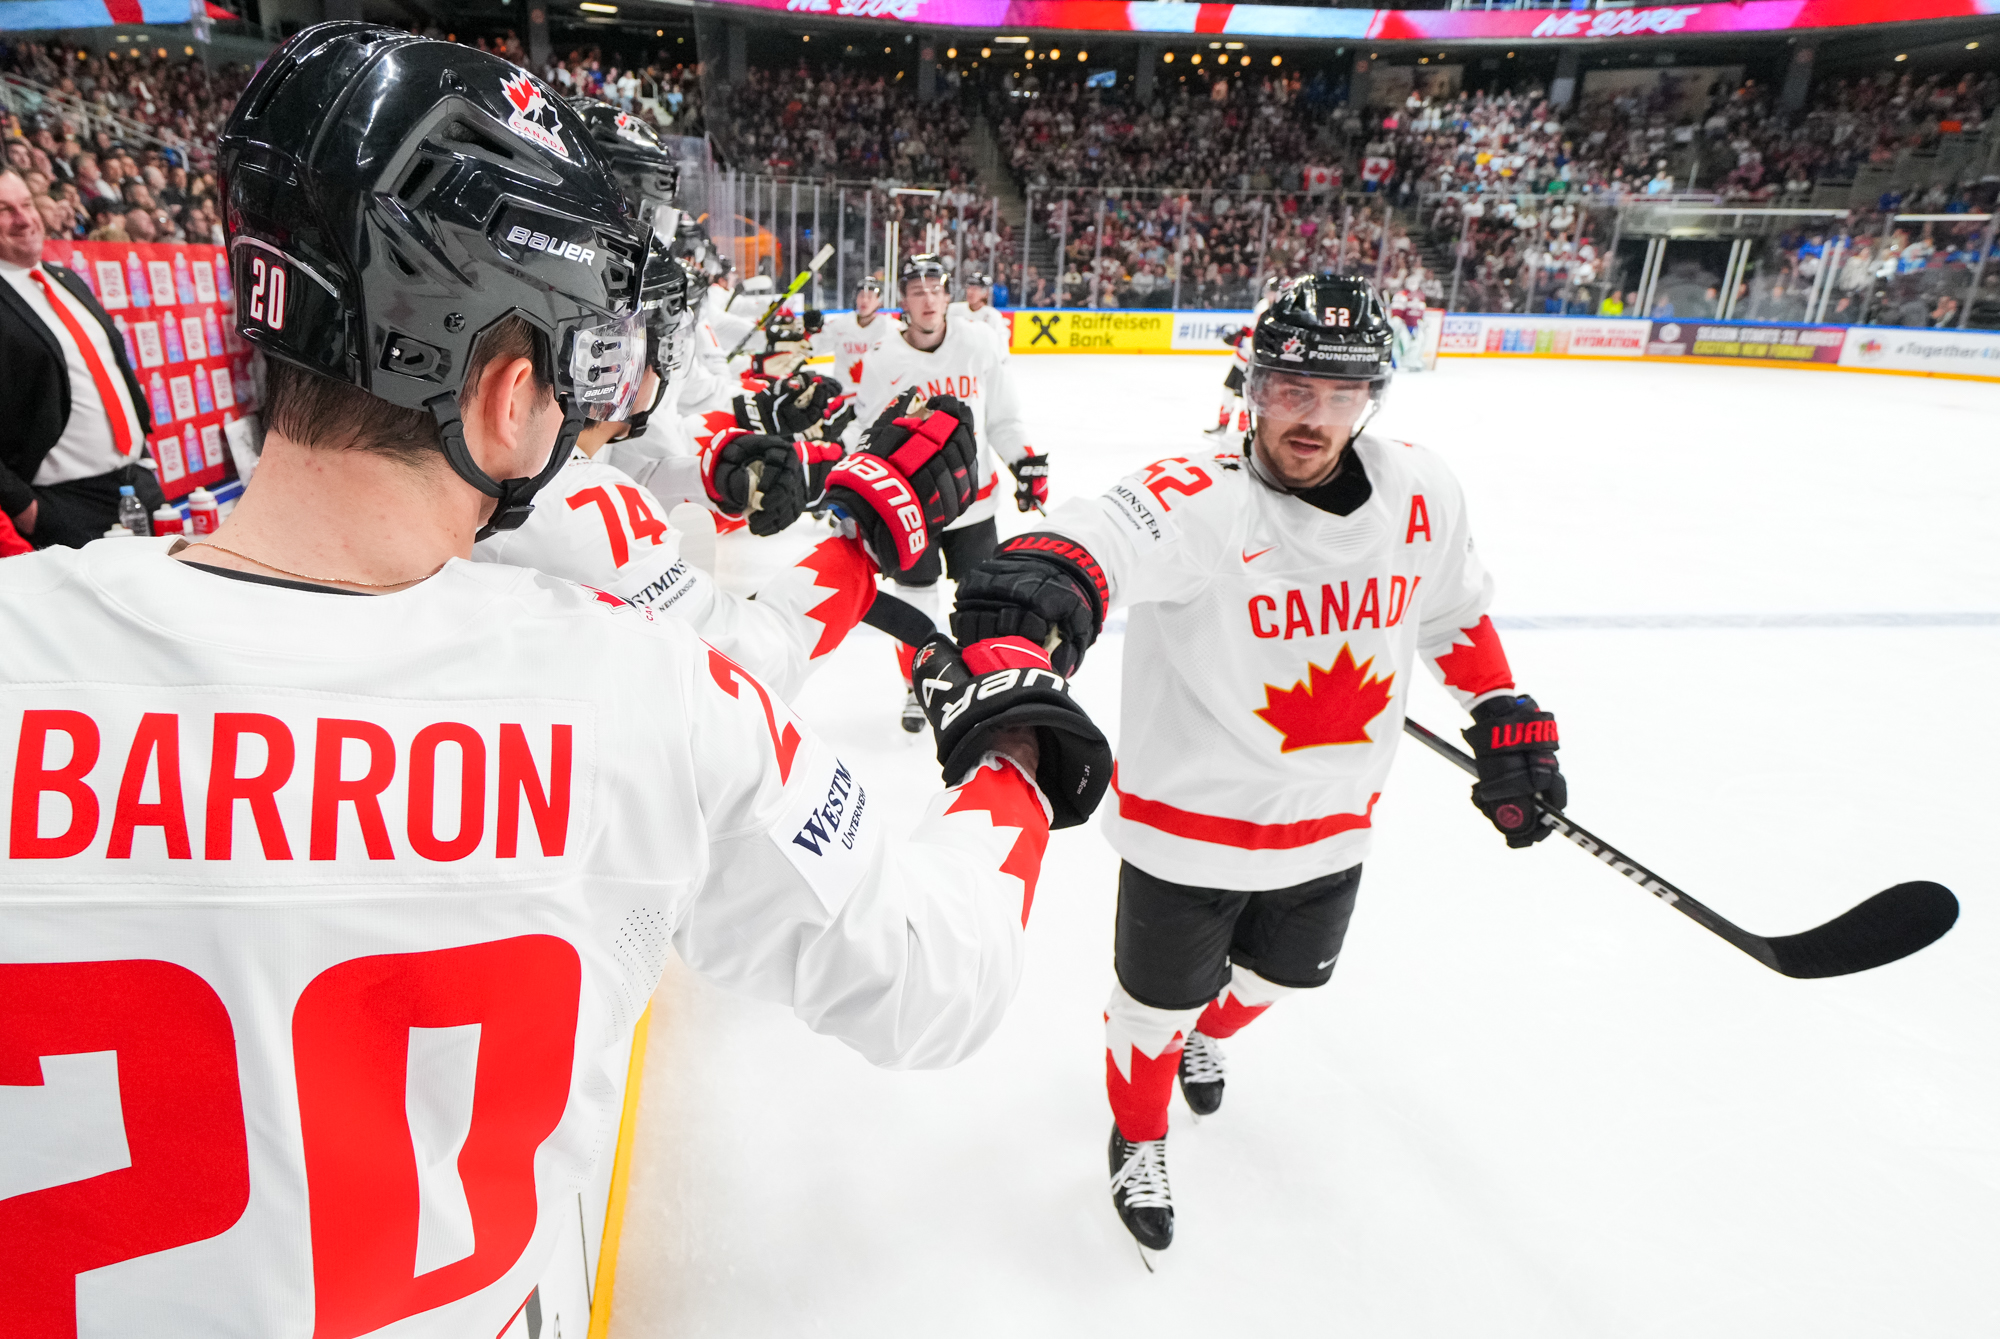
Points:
[(135, 279), (166, 521), (84, 270), (204, 402), (125, 333), (222, 288), (156, 391), (132, 512), (212, 330), (202, 515), (191, 449), (183, 281), (170, 330)]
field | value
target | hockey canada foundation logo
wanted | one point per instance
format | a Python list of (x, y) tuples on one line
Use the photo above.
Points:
[(533, 119), (1291, 349)]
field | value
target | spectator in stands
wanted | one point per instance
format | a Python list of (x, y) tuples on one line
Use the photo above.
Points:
[(73, 420)]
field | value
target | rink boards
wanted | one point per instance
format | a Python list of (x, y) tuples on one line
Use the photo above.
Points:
[(1962, 354)]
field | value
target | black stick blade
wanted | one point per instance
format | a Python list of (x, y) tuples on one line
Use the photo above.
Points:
[(1893, 924)]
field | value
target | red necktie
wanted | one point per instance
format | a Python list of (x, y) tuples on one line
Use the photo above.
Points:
[(121, 425)]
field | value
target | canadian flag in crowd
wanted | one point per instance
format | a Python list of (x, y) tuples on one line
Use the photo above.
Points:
[(1319, 180), (1377, 171)]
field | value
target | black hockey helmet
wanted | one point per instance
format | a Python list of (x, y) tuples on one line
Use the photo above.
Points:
[(642, 165), (871, 283), (923, 265), (390, 199), (977, 279), (1326, 325)]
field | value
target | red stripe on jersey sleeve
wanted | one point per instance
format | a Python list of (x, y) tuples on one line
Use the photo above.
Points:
[(1478, 668), (1238, 832)]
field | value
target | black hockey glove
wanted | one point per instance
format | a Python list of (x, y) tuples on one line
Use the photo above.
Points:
[(1031, 481), (996, 685), (760, 477), (789, 407), (1514, 742), (1041, 587), (912, 477)]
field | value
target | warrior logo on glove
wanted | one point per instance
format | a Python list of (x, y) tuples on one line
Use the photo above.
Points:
[(1005, 683)]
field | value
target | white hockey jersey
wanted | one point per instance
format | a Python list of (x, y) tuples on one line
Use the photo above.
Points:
[(593, 525), (1268, 654), (970, 364), (988, 316), (849, 342), (325, 921)]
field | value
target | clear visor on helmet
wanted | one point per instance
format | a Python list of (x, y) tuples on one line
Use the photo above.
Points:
[(606, 362), (1291, 397)]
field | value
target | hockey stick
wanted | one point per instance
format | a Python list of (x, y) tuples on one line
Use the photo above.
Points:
[(1890, 925), (797, 286)]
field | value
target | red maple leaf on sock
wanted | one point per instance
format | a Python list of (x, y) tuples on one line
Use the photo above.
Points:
[(1334, 709)]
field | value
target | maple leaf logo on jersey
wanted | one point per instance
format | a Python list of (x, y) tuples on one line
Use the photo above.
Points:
[(533, 119), (1291, 348), (1334, 708)]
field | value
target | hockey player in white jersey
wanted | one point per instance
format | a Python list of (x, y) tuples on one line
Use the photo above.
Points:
[(851, 336), (978, 306), (1406, 318), (1279, 602), (361, 859), (931, 356)]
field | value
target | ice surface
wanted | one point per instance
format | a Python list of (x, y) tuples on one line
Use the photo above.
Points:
[(1533, 1101)]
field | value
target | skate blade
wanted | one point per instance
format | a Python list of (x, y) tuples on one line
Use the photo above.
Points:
[(1145, 1258)]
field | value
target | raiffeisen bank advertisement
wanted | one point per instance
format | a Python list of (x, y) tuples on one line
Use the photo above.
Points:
[(1387, 25)]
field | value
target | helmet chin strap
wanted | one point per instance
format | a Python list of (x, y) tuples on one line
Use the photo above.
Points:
[(515, 497)]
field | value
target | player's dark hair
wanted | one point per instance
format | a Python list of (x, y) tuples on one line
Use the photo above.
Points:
[(326, 415)]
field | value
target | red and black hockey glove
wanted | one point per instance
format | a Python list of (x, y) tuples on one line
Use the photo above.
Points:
[(996, 685), (1031, 481), (787, 408), (1042, 587), (766, 479), (1514, 743), (912, 478)]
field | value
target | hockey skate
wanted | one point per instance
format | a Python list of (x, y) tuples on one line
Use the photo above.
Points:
[(913, 713), (1139, 1190), (1202, 1074)]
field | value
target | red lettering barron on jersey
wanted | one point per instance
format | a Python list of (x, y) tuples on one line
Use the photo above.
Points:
[(360, 783), (1237, 832), (1481, 666)]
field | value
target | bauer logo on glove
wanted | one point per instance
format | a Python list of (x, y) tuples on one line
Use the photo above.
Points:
[(912, 477)]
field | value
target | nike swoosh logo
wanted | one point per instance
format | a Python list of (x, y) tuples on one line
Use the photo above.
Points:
[(1329, 962), (1252, 557), (895, 381)]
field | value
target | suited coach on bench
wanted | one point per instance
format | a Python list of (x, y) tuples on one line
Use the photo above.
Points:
[(73, 420)]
